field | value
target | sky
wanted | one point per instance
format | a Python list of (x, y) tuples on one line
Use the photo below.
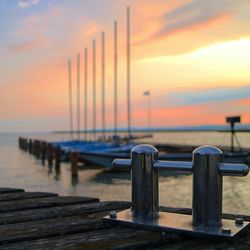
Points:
[(193, 56)]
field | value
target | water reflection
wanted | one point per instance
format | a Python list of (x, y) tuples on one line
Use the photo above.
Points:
[(236, 192), (74, 181), (111, 177), (50, 170), (57, 174)]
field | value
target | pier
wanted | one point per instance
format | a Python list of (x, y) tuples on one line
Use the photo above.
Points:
[(54, 154), (37, 220)]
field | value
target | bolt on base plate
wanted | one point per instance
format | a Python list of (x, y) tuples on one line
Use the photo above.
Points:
[(178, 223)]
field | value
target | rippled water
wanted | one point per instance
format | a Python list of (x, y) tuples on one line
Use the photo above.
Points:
[(19, 169)]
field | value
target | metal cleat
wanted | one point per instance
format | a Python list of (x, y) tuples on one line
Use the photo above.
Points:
[(207, 169)]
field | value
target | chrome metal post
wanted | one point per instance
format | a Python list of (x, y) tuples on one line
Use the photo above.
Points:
[(145, 194), (208, 171), (207, 186)]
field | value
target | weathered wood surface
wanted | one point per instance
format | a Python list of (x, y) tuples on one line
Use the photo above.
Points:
[(109, 238), (23, 195), (10, 190), (15, 205), (30, 220), (60, 211)]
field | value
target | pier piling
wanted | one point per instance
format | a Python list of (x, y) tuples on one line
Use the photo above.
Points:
[(50, 154), (30, 146), (74, 157), (23, 143), (38, 149), (57, 153), (43, 153)]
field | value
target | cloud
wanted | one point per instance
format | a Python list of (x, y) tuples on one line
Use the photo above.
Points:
[(22, 47), (187, 26), (193, 14), (199, 114), (35, 2), (23, 5), (202, 96), (26, 46), (27, 4), (245, 102)]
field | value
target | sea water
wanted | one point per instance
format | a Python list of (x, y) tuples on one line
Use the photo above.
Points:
[(20, 170)]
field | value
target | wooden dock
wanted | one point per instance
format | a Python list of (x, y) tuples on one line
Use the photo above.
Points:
[(39, 220)]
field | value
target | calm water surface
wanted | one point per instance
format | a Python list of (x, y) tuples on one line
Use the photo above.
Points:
[(20, 170)]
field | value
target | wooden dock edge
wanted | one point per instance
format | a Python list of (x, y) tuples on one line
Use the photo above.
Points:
[(39, 220)]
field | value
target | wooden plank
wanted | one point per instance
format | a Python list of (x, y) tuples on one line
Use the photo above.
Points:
[(24, 195), (61, 211), (36, 220), (4, 190), (57, 226), (111, 238), (125, 238), (51, 227), (7, 206)]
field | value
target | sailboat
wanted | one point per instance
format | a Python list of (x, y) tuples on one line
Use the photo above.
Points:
[(86, 148), (115, 145)]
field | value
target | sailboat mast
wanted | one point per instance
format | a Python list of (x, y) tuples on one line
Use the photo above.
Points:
[(70, 101), (115, 77), (103, 86), (78, 96), (85, 91), (128, 72), (94, 90)]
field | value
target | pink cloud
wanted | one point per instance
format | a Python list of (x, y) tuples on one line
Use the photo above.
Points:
[(195, 26), (24, 47)]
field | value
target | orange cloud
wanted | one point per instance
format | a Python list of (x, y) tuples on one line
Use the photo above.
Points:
[(245, 101), (159, 34), (146, 22), (199, 114)]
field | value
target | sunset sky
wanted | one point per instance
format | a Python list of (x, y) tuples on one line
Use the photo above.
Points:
[(192, 55)]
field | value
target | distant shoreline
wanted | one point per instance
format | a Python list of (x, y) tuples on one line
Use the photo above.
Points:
[(157, 131), (225, 129)]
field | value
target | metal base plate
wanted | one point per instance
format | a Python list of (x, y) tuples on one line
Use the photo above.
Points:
[(178, 223)]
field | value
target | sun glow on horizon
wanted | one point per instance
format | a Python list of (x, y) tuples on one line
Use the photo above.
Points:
[(224, 64), (240, 47)]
